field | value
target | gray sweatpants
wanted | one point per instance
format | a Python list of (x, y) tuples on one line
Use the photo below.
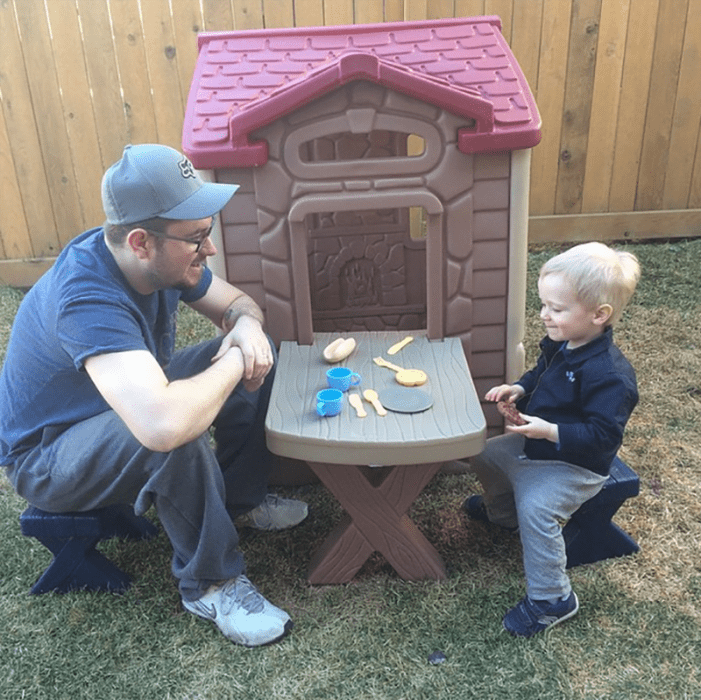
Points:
[(196, 492), (535, 495)]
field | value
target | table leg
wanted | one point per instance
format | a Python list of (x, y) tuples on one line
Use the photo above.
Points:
[(376, 520)]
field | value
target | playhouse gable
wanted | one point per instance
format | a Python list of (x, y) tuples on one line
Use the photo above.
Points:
[(245, 80)]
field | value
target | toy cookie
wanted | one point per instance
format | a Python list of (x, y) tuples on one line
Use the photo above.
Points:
[(510, 412)]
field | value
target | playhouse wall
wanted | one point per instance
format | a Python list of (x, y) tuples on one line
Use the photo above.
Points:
[(479, 200)]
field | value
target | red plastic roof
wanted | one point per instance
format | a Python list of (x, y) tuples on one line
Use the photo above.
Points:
[(247, 79)]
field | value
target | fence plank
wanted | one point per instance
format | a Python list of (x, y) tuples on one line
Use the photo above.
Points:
[(110, 118), (77, 108), (18, 122), (635, 86), (394, 10), (50, 124), (438, 9), (525, 41), (660, 109), (617, 226), (130, 56), (504, 9), (187, 24), (23, 273), (577, 108), (159, 41), (415, 10), (526, 45), (551, 95), (604, 105), (278, 13), (338, 12), (309, 13), (218, 16), (469, 8), (248, 14), (369, 12), (14, 233), (695, 190), (686, 126)]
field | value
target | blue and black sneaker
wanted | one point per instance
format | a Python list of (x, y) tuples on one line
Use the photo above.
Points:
[(476, 510), (532, 616)]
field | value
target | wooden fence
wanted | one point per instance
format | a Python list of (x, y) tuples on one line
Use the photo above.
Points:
[(618, 84)]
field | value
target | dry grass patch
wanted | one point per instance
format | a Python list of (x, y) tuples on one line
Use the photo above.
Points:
[(662, 445)]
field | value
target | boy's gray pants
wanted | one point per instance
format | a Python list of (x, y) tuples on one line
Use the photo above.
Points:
[(535, 496)]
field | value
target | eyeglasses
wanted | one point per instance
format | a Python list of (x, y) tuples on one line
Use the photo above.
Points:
[(198, 244)]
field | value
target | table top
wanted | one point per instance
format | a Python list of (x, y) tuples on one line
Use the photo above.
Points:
[(452, 428)]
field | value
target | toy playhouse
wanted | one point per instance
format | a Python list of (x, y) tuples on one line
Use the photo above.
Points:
[(384, 184), (383, 174)]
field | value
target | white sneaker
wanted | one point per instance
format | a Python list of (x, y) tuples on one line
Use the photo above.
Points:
[(242, 614), (274, 513)]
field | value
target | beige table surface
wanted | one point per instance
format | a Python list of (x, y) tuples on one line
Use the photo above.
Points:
[(454, 427)]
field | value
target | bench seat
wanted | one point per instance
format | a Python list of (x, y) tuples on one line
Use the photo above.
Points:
[(71, 538), (590, 535)]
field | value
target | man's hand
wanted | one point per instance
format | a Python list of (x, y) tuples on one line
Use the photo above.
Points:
[(241, 319), (247, 334)]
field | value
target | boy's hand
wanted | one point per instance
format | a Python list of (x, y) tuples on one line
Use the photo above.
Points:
[(505, 392), (536, 429)]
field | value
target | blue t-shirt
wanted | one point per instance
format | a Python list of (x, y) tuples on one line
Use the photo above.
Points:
[(82, 306)]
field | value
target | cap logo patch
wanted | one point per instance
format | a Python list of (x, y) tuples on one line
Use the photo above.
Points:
[(186, 169)]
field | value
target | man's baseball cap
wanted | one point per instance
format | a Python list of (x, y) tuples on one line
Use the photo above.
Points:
[(152, 180)]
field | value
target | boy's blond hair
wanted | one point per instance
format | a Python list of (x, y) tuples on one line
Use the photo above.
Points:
[(598, 275)]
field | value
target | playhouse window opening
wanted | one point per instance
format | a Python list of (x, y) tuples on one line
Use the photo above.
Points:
[(347, 146), (367, 269), (418, 224)]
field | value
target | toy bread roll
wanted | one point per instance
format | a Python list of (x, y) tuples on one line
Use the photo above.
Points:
[(339, 349)]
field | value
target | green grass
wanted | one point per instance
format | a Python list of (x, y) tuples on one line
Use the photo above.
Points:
[(637, 635), (669, 274)]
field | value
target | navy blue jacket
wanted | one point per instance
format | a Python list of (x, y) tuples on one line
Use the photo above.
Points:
[(589, 392)]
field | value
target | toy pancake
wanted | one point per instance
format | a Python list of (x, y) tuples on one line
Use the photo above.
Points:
[(510, 412)]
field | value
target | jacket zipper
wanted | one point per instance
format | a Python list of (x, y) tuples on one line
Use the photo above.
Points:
[(548, 364)]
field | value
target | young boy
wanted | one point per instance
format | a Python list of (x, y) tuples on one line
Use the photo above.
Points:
[(575, 403)]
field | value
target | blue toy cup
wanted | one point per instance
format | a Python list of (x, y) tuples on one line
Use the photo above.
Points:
[(329, 402), (342, 378)]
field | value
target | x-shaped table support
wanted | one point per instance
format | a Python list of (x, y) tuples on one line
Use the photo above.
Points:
[(375, 520)]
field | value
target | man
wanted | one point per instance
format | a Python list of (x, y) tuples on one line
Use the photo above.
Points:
[(97, 409)]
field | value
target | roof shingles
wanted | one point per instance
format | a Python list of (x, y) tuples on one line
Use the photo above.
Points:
[(244, 80)]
